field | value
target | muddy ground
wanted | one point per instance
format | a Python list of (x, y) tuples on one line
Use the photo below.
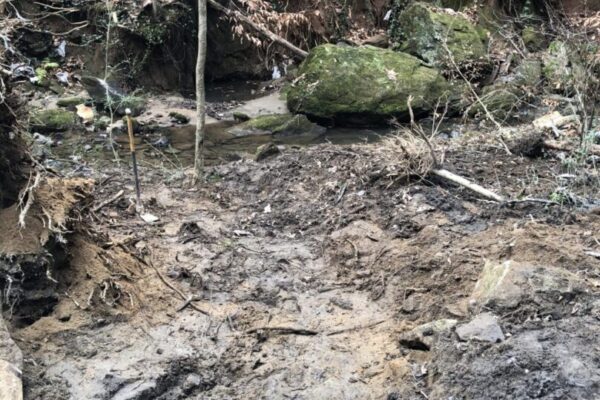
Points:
[(309, 273)]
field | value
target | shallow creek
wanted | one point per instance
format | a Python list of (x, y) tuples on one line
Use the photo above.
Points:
[(160, 140)]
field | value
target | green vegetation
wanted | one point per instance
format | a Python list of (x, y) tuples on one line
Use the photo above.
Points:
[(53, 120), (70, 102), (277, 124)]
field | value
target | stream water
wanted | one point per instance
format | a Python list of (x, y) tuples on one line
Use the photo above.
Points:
[(160, 140)]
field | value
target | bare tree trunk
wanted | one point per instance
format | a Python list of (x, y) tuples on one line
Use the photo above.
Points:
[(200, 98)]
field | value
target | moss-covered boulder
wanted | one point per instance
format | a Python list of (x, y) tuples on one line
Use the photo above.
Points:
[(53, 120), (364, 85), (434, 34), (277, 124)]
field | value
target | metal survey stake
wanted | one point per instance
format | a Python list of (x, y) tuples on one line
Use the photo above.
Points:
[(132, 150)]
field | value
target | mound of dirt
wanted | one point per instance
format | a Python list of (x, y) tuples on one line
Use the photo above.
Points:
[(32, 238)]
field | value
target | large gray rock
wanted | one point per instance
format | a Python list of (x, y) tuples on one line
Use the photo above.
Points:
[(555, 360), (505, 285)]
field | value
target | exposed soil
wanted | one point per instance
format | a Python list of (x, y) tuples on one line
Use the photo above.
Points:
[(306, 269), (337, 267)]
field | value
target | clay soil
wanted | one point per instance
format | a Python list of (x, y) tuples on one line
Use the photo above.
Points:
[(305, 269)]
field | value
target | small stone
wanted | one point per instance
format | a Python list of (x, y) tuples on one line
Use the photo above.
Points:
[(363, 273), (63, 316), (408, 305), (191, 382), (265, 151), (179, 118), (483, 328), (423, 336), (341, 303), (240, 116)]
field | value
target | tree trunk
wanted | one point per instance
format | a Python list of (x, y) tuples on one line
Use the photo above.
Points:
[(200, 98)]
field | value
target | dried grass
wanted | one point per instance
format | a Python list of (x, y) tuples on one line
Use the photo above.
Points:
[(405, 156)]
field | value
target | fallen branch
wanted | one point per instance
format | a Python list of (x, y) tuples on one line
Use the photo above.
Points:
[(561, 146), (459, 180), (356, 328), (284, 330), (108, 201), (230, 13), (187, 299)]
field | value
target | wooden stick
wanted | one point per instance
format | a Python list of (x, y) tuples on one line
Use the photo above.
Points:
[(284, 330), (267, 33), (108, 201), (355, 328), (554, 145), (133, 159), (188, 299), (459, 180)]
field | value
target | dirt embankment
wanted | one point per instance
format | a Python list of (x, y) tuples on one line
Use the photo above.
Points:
[(312, 275)]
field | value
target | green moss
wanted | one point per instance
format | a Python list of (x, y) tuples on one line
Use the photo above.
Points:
[(50, 65), (276, 124), (102, 123), (70, 101), (134, 103), (52, 120), (41, 74), (533, 39), (426, 32), (363, 85), (273, 123)]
